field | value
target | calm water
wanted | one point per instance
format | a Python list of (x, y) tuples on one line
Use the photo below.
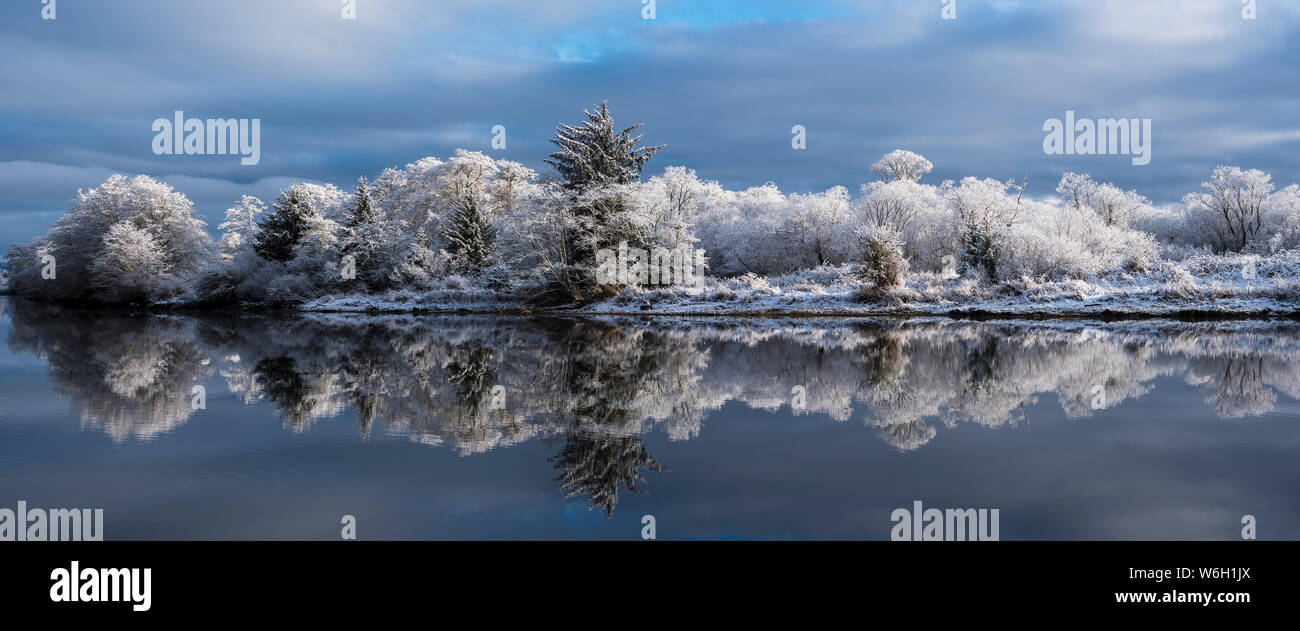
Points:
[(511, 428)]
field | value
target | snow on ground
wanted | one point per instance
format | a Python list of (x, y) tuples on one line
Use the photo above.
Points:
[(1202, 284), (454, 294)]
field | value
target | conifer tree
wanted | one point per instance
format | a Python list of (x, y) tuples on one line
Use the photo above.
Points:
[(594, 154), (363, 209), (283, 227), (469, 235), (363, 238)]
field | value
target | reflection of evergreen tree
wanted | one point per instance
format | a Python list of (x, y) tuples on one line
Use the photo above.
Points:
[(286, 388), (470, 371), (605, 370), (595, 466), (365, 373), (368, 404), (981, 361), (883, 360), (908, 436)]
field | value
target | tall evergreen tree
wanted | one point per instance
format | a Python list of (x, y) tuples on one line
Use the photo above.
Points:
[(594, 154), (363, 239), (282, 228), (363, 208), (980, 249), (469, 235)]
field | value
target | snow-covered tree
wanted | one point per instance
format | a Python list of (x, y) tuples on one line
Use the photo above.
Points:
[(364, 238), (667, 206), (363, 209), (595, 154), (981, 211), (418, 263), (1231, 206), (819, 228), (901, 164), (1282, 219), (740, 234), (1114, 205), (597, 163), (980, 250), (535, 241), (981, 202), (129, 267), (240, 225), (1076, 189), (77, 241), (406, 196), (513, 182), (914, 211), (281, 230), (469, 235), (326, 199)]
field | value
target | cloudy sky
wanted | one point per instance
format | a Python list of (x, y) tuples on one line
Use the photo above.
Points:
[(721, 82)]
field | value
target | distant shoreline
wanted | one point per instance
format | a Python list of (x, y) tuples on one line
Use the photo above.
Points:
[(590, 311)]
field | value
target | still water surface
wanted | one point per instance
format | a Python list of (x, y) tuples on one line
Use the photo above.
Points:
[(431, 427)]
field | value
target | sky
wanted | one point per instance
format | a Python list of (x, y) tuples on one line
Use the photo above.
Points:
[(720, 82)]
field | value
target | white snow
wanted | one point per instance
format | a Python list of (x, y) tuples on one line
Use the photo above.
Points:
[(1207, 284)]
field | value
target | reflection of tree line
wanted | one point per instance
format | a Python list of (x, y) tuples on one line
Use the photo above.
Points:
[(127, 375), (598, 386)]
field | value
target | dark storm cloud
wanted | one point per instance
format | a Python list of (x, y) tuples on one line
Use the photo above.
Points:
[(720, 82)]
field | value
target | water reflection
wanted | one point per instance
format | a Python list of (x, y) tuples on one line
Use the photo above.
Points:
[(594, 388)]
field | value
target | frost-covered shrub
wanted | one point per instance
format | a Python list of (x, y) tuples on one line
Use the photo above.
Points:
[(1053, 242), (1115, 206), (883, 264), (1178, 283)]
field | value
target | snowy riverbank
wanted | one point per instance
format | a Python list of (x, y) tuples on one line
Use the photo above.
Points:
[(1204, 285)]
